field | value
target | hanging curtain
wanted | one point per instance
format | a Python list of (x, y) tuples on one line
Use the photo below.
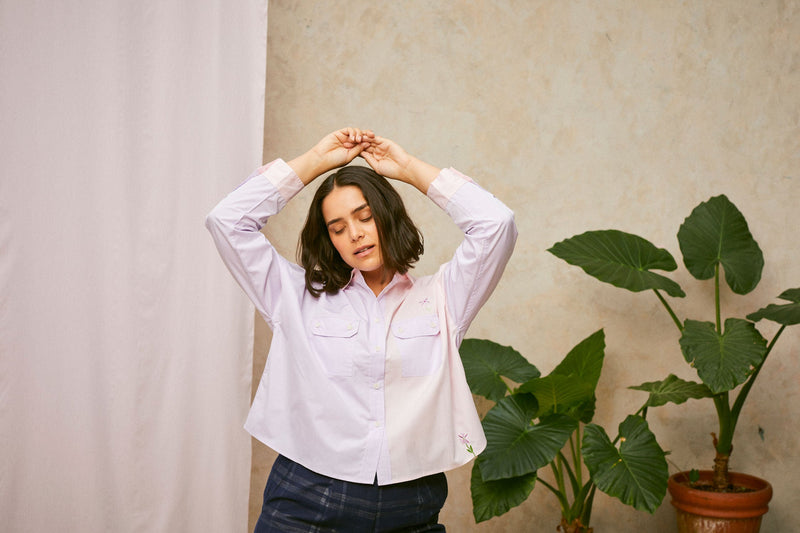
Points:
[(125, 347)]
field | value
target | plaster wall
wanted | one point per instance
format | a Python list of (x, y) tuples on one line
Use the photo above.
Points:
[(578, 115)]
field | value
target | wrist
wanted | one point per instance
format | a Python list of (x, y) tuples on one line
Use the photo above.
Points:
[(308, 166), (421, 174)]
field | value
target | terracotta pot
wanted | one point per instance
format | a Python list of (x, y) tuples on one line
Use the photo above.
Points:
[(702, 511)]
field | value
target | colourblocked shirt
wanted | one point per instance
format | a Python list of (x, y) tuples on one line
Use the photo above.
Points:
[(358, 386)]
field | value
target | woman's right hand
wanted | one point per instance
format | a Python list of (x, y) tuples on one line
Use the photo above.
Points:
[(333, 151)]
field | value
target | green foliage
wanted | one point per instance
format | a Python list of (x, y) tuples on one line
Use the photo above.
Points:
[(621, 259), (634, 472), (530, 427), (714, 240), (786, 314), (673, 390), (724, 359), (716, 234), (493, 498), (486, 362)]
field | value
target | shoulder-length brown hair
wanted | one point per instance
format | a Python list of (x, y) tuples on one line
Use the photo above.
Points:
[(401, 241)]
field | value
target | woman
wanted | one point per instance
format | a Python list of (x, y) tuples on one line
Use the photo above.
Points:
[(363, 394)]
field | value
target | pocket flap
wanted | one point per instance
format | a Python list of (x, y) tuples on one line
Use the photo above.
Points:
[(330, 326), (420, 326)]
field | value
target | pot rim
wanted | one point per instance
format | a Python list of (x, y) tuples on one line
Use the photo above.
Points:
[(721, 504)]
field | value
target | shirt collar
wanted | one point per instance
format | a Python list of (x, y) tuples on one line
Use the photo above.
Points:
[(357, 279)]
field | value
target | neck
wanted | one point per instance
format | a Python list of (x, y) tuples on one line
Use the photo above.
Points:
[(377, 280)]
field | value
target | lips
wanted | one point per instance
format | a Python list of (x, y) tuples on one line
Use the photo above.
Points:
[(363, 250)]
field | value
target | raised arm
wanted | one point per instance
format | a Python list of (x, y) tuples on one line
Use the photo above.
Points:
[(488, 226)]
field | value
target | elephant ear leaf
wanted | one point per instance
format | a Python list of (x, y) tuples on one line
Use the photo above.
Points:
[(621, 259), (723, 360), (716, 233), (786, 314), (585, 359), (493, 498), (515, 445), (570, 387), (636, 472), (673, 390), (486, 362)]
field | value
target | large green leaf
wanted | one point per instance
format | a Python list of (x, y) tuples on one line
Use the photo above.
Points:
[(493, 498), (570, 387), (716, 232), (786, 314), (621, 259), (636, 472), (723, 361), (515, 446), (791, 295), (485, 362), (672, 389), (559, 394), (585, 359)]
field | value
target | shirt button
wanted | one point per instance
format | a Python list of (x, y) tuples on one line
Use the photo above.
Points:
[(377, 385)]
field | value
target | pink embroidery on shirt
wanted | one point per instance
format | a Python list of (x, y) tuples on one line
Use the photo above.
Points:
[(465, 441), (426, 304)]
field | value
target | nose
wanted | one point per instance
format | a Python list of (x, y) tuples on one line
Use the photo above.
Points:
[(355, 233)]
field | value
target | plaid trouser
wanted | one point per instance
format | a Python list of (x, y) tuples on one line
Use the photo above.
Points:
[(297, 500)]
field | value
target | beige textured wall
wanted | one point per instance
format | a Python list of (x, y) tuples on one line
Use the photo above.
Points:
[(579, 115)]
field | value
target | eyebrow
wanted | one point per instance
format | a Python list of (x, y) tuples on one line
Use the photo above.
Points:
[(353, 212)]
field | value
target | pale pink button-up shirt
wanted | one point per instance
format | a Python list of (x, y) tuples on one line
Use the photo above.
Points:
[(357, 385)]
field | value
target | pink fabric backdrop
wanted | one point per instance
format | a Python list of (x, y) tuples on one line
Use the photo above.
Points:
[(125, 348)]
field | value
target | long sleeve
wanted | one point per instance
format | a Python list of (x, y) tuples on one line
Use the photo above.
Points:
[(489, 237), (235, 225)]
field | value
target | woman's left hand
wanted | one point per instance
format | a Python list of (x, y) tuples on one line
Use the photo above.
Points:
[(389, 159)]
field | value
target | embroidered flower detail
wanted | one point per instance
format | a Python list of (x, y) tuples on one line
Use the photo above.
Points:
[(465, 441), (426, 304)]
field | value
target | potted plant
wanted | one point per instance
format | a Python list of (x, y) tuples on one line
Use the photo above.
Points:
[(541, 421), (727, 355)]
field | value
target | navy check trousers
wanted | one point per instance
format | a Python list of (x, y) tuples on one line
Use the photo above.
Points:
[(297, 500)]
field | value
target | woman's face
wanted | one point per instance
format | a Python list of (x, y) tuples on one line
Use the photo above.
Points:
[(352, 229)]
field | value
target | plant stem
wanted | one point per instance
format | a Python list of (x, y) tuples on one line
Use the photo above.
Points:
[(669, 310), (571, 476), (562, 499), (558, 471), (716, 298), (576, 456), (586, 515), (742, 396), (726, 425)]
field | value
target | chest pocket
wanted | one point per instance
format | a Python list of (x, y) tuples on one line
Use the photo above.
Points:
[(419, 344), (334, 342)]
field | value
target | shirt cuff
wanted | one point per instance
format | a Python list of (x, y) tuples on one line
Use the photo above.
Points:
[(281, 175), (445, 186)]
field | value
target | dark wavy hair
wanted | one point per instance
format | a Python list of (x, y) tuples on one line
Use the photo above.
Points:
[(401, 241)]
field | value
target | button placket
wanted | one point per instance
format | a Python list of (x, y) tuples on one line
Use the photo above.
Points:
[(377, 343)]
